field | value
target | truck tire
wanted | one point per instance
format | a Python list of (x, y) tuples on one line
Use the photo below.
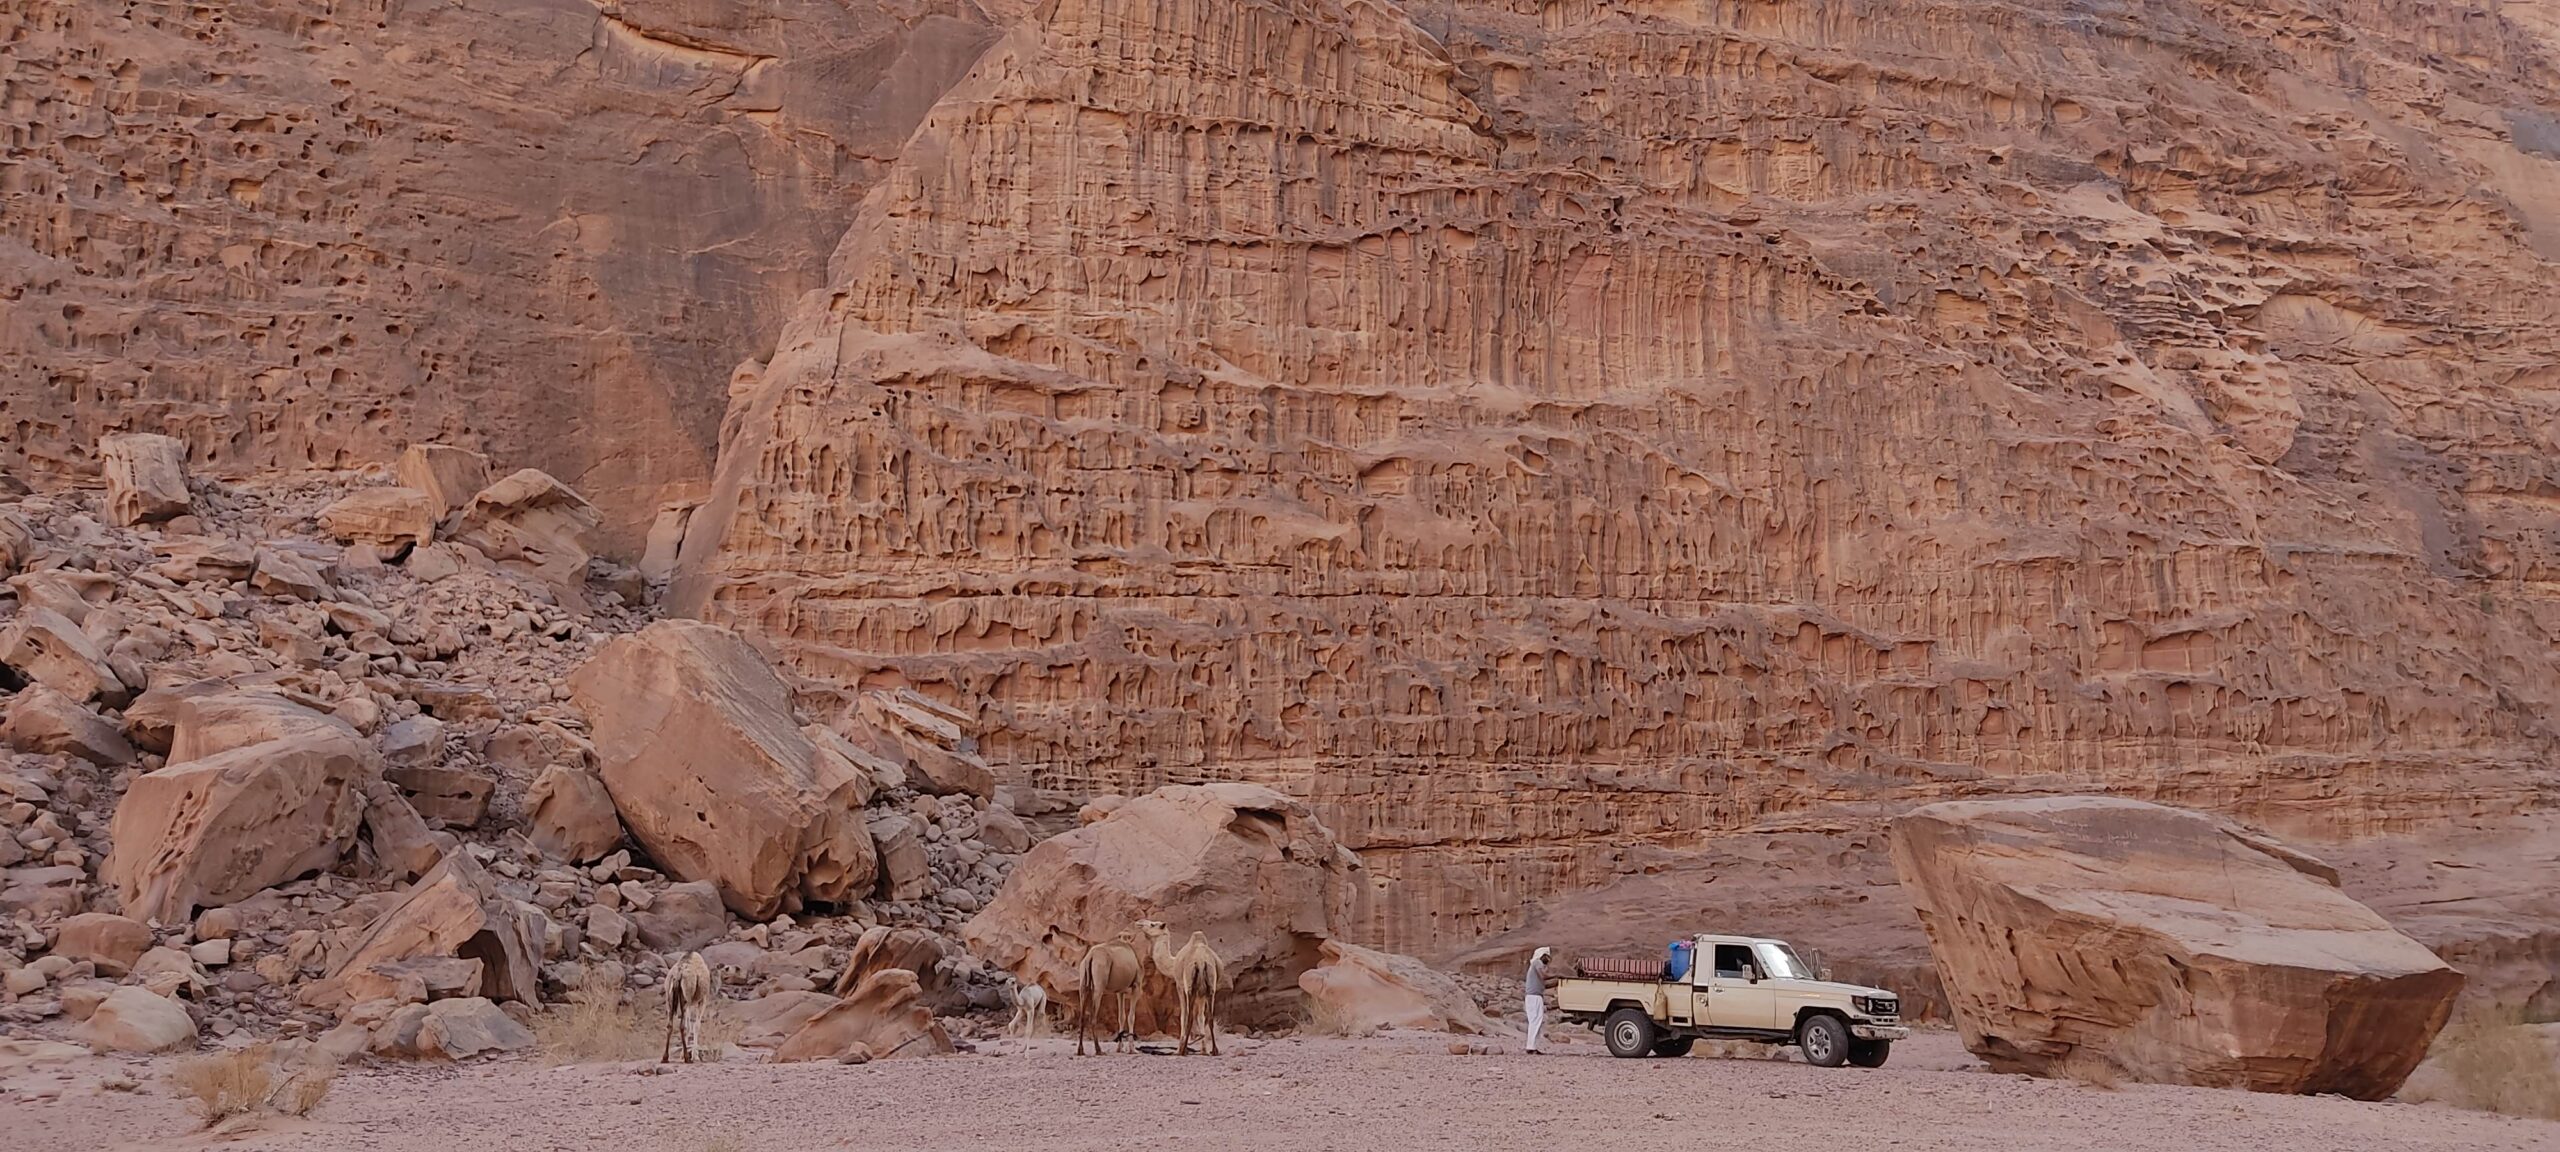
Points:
[(1629, 1033), (1825, 1041), (1870, 1053), (1674, 1046)]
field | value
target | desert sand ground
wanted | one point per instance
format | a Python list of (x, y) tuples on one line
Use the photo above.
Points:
[(1402, 1094)]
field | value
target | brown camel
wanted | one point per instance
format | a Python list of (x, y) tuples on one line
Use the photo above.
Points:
[(1111, 968), (1196, 973), (689, 994)]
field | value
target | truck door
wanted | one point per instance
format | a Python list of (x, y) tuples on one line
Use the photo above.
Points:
[(1734, 1000)]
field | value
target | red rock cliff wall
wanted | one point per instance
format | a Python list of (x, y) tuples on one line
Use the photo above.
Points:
[(311, 231), (1533, 431)]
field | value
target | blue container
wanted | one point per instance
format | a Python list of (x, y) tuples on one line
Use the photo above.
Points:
[(1678, 969)]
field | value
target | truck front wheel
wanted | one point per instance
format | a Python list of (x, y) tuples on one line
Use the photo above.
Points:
[(1870, 1053), (1825, 1041), (1629, 1033)]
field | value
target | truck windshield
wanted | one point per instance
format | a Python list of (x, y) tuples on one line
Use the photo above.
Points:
[(1782, 963)]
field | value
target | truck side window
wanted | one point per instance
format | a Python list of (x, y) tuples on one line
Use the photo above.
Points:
[(1733, 960)]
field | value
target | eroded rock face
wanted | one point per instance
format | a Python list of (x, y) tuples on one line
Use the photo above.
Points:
[(2164, 945), (1618, 424), (1356, 990), (617, 209), (696, 741), (1249, 867), (571, 814)]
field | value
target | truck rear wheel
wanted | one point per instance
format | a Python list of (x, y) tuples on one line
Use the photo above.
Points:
[(1825, 1041), (1629, 1033), (1870, 1053), (1674, 1046)]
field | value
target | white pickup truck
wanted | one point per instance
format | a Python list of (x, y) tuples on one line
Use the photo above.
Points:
[(1737, 988)]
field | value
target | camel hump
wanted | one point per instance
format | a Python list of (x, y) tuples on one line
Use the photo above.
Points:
[(1199, 940)]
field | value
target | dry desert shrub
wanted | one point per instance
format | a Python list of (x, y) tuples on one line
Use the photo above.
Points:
[(1324, 1019), (2094, 1071), (598, 1028), (306, 1086), (226, 1084), (2491, 1062), (258, 1077)]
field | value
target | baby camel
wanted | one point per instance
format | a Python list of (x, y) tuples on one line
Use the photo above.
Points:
[(1030, 1011), (1196, 973), (1110, 968), (689, 992)]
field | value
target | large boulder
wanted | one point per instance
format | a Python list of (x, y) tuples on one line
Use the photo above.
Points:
[(457, 1029), (43, 720), (132, 1019), (50, 649), (1355, 991), (146, 476), (446, 474), (391, 519), (2161, 945), (110, 943), (452, 911), (696, 741), (1251, 868), (571, 814), (683, 918), (532, 519), (884, 1017), (205, 831)]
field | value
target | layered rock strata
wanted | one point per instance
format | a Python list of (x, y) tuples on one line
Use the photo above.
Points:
[(1532, 434)]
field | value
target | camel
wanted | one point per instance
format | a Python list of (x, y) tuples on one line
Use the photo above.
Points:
[(1030, 1011), (1196, 973), (1111, 968), (689, 993)]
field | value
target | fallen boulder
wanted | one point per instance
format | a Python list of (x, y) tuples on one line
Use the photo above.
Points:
[(449, 1030), (1251, 868), (43, 720), (2164, 946), (390, 519), (451, 912), (1354, 991), (146, 477), (448, 476), (131, 1019), (109, 942), (696, 742), (51, 650), (683, 918), (206, 832), (401, 841), (572, 814), (457, 795), (767, 1021), (533, 519), (882, 1018), (883, 947)]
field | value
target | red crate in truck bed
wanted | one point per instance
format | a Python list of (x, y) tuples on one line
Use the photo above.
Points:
[(1618, 968)]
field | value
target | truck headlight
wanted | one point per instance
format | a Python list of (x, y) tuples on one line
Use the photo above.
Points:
[(1877, 1005)]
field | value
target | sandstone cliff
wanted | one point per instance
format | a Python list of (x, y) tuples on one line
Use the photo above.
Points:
[(298, 233), (1541, 434)]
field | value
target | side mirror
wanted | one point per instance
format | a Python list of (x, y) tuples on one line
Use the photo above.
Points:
[(1753, 972)]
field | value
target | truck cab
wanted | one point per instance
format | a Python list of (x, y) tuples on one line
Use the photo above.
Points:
[(1736, 988)]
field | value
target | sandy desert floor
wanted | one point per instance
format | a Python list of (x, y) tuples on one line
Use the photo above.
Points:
[(1403, 1094)]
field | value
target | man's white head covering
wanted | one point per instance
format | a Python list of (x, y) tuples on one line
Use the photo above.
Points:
[(1541, 954)]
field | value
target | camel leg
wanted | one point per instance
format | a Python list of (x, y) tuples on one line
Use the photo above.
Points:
[(1210, 1018), (1182, 1016), (1084, 1013), (1129, 1020), (675, 997)]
